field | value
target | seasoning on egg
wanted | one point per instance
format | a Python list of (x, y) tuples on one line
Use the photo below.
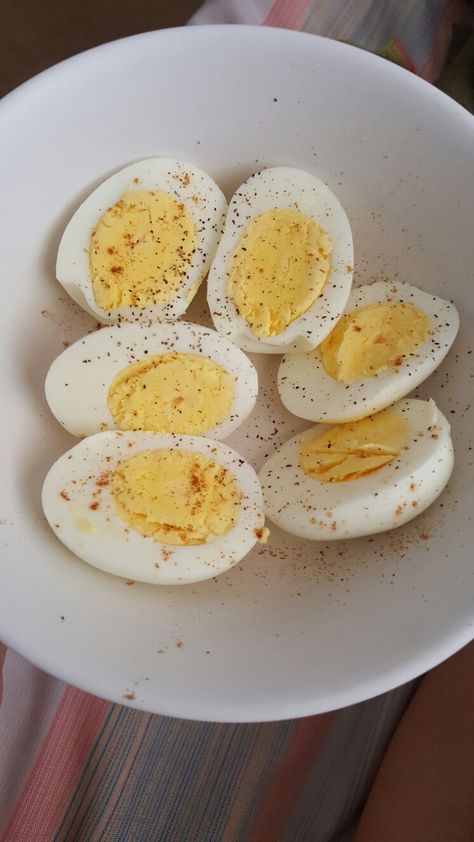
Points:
[(350, 451), (373, 338), (279, 279), (171, 393), (391, 337), (158, 508), (137, 249), (181, 378), (140, 250), (278, 269), (359, 478), (175, 497)]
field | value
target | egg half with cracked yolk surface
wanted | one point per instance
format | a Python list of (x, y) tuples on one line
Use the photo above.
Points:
[(165, 378), (282, 272), (159, 509), (362, 477), (391, 337), (141, 243)]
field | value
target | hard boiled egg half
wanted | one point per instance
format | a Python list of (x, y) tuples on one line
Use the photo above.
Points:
[(282, 272), (141, 243), (362, 477), (159, 509), (166, 378), (391, 337)]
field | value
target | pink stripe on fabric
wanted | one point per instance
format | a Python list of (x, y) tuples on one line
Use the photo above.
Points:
[(308, 737), (58, 766), (287, 14)]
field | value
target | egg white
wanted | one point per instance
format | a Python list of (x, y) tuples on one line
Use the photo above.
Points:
[(283, 187), (185, 183), (383, 500), (78, 381), (307, 390), (101, 538)]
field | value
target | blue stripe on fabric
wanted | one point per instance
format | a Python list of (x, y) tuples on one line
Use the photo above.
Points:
[(160, 735), (166, 796), (78, 822), (182, 777), (92, 826), (224, 783), (145, 816), (210, 789), (59, 835)]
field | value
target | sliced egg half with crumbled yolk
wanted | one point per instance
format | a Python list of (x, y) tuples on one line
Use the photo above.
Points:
[(282, 272), (361, 477), (166, 378), (141, 243), (159, 509), (391, 337)]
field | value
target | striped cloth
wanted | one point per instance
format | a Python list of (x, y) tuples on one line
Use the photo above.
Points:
[(75, 768), (413, 33)]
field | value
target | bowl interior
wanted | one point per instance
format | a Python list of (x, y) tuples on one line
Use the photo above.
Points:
[(298, 627)]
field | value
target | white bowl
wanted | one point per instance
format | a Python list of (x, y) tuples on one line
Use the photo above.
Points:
[(299, 627)]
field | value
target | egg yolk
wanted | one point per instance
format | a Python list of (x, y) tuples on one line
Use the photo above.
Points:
[(175, 497), (278, 270), (171, 393), (373, 338), (351, 451), (140, 250)]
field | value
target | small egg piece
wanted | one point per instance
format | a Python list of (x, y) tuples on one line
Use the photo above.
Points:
[(391, 337), (160, 509), (165, 378), (141, 243), (282, 272), (362, 477)]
